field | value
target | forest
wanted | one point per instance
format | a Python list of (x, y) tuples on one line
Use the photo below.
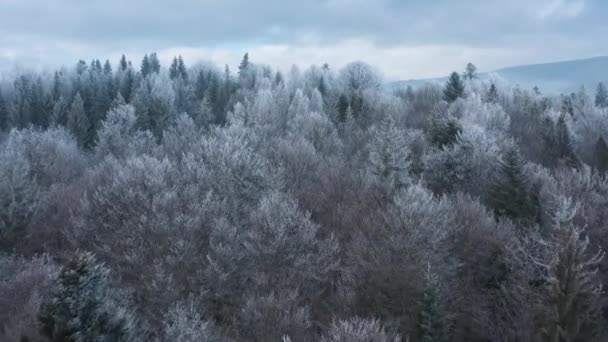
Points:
[(190, 203)]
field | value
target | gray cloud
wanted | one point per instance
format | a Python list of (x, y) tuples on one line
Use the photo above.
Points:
[(40, 31)]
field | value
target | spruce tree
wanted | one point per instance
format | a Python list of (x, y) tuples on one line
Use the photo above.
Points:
[(445, 132), (600, 153), (510, 194), (342, 107), (573, 292), (244, 65), (84, 307), (454, 89), (492, 94), (601, 96), (154, 63), (3, 113), (173, 72), (563, 146), (146, 67), (107, 68), (123, 63), (181, 68), (433, 323), (78, 122)]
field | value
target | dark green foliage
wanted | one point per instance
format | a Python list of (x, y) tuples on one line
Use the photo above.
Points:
[(78, 122), (433, 323), (601, 154), (154, 63), (123, 63), (4, 119), (444, 132), (342, 107), (510, 194), (146, 67), (244, 65), (83, 307), (601, 95), (454, 89), (492, 94)]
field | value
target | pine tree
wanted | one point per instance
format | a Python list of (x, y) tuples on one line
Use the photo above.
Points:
[(572, 295), (470, 72), (173, 72), (181, 68), (123, 63), (601, 96), (78, 122), (433, 323), (342, 107), (3, 113), (83, 306), (154, 62), (454, 89), (445, 132), (510, 195), (244, 65), (107, 68), (492, 94), (601, 154), (563, 144), (146, 67)]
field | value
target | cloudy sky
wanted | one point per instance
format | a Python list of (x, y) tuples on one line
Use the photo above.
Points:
[(403, 38)]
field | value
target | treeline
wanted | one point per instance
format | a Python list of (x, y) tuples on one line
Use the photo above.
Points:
[(190, 203)]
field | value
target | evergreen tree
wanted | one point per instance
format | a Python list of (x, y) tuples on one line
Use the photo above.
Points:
[(601, 96), (146, 67), (123, 63), (4, 119), (244, 65), (470, 72), (563, 144), (454, 89), (601, 155), (78, 122), (433, 323), (154, 63), (342, 107), (572, 295), (445, 132), (107, 68), (58, 114), (510, 195), (84, 307), (492, 94), (181, 68), (173, 72)]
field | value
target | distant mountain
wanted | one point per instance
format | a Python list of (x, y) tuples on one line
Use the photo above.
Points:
[(554, 78)]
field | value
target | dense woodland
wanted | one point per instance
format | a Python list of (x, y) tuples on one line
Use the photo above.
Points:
[(192, 203)]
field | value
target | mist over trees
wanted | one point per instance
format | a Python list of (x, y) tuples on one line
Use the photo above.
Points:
[(142, 202)]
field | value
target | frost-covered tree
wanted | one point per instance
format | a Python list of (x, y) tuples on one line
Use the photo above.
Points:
[(510, 194), (184, 323), (454, 88), (601, 154), (470, 72), (433, 321), (84, 307), (389, 153), (601, 95), (572, 292), (78, 122), (359, 330)]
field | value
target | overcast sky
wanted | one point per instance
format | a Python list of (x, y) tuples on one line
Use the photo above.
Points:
[(403, 38)]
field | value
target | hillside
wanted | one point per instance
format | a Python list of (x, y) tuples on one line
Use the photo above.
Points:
[(557, 77)]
